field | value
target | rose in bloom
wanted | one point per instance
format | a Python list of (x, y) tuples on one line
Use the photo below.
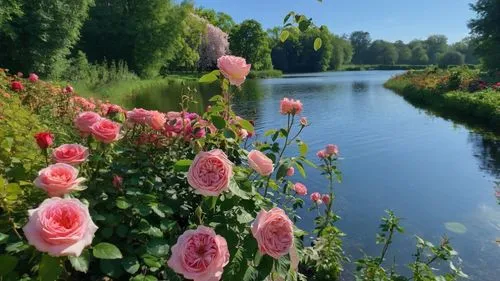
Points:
[(290, 171), (44, 139), (105, 130), (321, 154), (59, 179), (157, 120), (68, 89), (20, 74), (325, 198), (60, 227), (260, 163), (85, 120), (138, 116), (290, 106), (210, 172), (235, 69), (72, 154), (33, 77), (16, 86), (117, 181), (273, 231), (316, 197), (332, 149), (300, 188), (200, 255), (303, 121), (242, 133)]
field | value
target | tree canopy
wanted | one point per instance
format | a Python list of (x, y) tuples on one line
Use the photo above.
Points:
[(486, 32)]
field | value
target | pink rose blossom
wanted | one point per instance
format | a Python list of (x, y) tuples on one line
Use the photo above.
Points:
[(260, 163), (290, 171), (60, 227), (199, 255), (33, 77), (321, 154), (332, 149), (243, 134), (20, 74), (290, 106), (117, 182), (210, 172), (316, 197), (72, 154), (16, 86), (300, 188), (85, 120), (106, 131), (325, 198), (303, 121), (157, 120), (273, 231), (235, 69), (44, 139), (68, 89), (59, 179), (138, 116)]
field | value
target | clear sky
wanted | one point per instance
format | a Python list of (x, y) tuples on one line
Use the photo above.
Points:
[(385, 19)]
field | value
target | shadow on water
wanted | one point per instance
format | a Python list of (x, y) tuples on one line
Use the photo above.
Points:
[(487, 151)]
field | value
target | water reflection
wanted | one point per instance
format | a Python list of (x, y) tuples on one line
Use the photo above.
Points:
[(487, 151), (359, 87)]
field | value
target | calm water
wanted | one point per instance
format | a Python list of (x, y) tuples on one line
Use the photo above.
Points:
[(395, 156)]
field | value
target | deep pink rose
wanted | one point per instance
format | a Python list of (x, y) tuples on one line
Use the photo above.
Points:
[(235, 69), (44, 139), (321, 154), (273, 231), (68, 89), (60, 227), (200, 255), (33, 77), (290, 171), (210, 172), (325, 198), (138, 116), (290, 106), (316, 197), (260, 163), (117, 182), (59, 179), (16, 86), (85, 120), (331, 150), (300, 188), (175, 125), (72, 154), (106, 130), (173, 114), (157, 120)]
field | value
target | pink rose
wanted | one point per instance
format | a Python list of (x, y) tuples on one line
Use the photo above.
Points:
[(44, 139), (117, 182), (16, 86), (33, 77), (157, 120), (175, 125), (290, 106), (235, 69), (243, 134), (20, 74), (273, 231), (303, 121), (68, 89), (138, 116), (199, 255), (332, 149), (210, 172), (85, 120), (72, 154), (300, 188), (106, 130), (325, 198), (60, 227), (260, 163), (321, 154), (290, 171), (59, 179), (316, 197)]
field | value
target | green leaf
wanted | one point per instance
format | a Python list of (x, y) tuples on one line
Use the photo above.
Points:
[(301, 169), (3, 238), (218, 122), (158, 247), (210, 77), (182, 165), (244, 217), (49, 268), (7, 264), (122, 203), (317, 43), (284, 35), (247, 125), (151, 261), (131, 264), (456, 227), (80, 263), (235, 189), (287, 17), (153, 231), (112, 268), (303, 148), (108, 251), (265, 266), (143, 278), (282, 169)]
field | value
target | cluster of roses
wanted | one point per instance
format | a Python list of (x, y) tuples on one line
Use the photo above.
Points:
[(17, 85)]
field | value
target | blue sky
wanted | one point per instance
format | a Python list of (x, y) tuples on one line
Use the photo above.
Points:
[(384, 19)]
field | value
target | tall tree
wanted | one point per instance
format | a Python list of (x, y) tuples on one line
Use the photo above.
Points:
[(486, 32), (222, 20), (419, 55), (467, 48), (360, 42), (383, 52), (436, 45), (404, 52), (250, 41), (451, 58)]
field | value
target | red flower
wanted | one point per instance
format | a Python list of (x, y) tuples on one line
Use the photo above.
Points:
[(17, 86), (117, 181), (68, 89), (44, 139)]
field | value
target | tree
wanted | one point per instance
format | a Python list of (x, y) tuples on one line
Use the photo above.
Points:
[(436, 46), (250, 41), (360, 42), (214, 44), (467, 48), (486, 33), (404, 52), (419, 55), (451, 58), (9, 10), (222, 20), (383, 52)]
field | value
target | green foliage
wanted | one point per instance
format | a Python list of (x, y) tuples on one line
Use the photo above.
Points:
[(485, 32), (222, 20), (249, 40), (360, 42), (451, 58), (382, 52)]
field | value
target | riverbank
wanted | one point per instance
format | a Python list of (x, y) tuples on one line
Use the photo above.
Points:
[(458, 94)]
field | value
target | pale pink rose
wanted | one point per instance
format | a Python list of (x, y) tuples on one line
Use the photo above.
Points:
[(59, 179), (332, 149), (321, 154), (300, 188), (199, 255), (273, 231), (210, 172), (325, 198), (138, 116), (33, 77), (157, 120), (85, 120), (60, 227), (72, 154), (316, 197), (243, 134), (235, 69), (106, 130), (290, 171), (290, 106), (303, 121), (260, 163)]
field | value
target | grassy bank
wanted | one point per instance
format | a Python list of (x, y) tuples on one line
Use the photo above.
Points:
[(457, 94)]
